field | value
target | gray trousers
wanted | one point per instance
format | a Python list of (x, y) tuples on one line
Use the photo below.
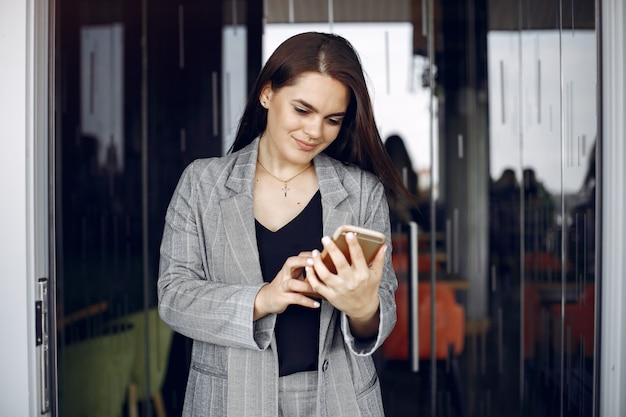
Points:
[(297, 395)]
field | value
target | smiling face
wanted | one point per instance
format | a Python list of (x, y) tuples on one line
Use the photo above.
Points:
[(303, 119)]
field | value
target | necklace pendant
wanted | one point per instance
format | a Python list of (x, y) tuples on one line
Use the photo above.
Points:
[(285, 188)]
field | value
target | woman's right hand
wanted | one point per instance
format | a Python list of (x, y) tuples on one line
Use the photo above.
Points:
[(288, 287)]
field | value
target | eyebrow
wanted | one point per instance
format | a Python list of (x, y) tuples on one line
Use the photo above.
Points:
[(312, 107)]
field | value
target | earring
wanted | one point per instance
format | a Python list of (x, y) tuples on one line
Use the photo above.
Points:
[(263, 103)]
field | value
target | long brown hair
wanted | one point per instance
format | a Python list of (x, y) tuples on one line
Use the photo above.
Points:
[(358, 141)]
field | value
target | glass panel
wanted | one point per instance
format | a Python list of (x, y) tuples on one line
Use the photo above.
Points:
[(138, 99), (555, 375), (579, 54), (504, 169), (99, 245), (493, 105)]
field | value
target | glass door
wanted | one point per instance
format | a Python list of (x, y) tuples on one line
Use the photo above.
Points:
[(489, 110), (487, 107), (138, 97)]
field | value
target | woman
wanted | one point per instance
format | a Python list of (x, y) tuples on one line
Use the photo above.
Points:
[(243, 230)]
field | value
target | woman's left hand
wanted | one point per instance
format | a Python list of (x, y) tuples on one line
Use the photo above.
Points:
[(354, 288)]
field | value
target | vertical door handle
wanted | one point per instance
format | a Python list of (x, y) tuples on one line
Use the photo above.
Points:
[(41, 342), (413, 295)]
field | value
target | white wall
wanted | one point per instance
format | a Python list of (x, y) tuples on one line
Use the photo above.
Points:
[(18, 391), (613, 301)]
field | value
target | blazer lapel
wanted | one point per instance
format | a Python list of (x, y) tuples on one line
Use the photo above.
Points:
[(333, 194), (241, 237), (238, 214)]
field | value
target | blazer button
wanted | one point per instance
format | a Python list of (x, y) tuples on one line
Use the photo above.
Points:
[(325, 366)]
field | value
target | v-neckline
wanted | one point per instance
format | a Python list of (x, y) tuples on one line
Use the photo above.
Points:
[(315, 196)]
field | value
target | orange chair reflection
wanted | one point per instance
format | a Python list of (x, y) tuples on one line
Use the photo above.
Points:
[(579, 318), (544, 266), (449, 333), (532, 322), (449, 323), (400, 256)]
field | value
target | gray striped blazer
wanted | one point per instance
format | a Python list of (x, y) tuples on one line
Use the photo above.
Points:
[(210, 274)]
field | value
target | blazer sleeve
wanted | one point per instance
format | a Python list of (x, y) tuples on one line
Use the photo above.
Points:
[(375, 215), (189, 302)]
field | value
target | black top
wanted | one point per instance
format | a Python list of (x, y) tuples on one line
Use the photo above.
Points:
[(297, 328)]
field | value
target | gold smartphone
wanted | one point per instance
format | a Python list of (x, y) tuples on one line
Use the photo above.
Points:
[(370, 241)]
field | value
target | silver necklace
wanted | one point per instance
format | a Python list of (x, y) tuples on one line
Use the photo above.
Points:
[(285, 188)]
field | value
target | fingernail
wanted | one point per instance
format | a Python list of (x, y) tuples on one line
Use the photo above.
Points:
[(316, 304), (349, 235), (310, 261), (315, 253), (325, 240)]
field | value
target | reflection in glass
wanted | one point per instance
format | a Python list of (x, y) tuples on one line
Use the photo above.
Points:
[(537, 104), (139, 97), (542, 209), (512, 176), (102, 83)]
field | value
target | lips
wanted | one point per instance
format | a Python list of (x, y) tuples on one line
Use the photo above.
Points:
[(305, 146)]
